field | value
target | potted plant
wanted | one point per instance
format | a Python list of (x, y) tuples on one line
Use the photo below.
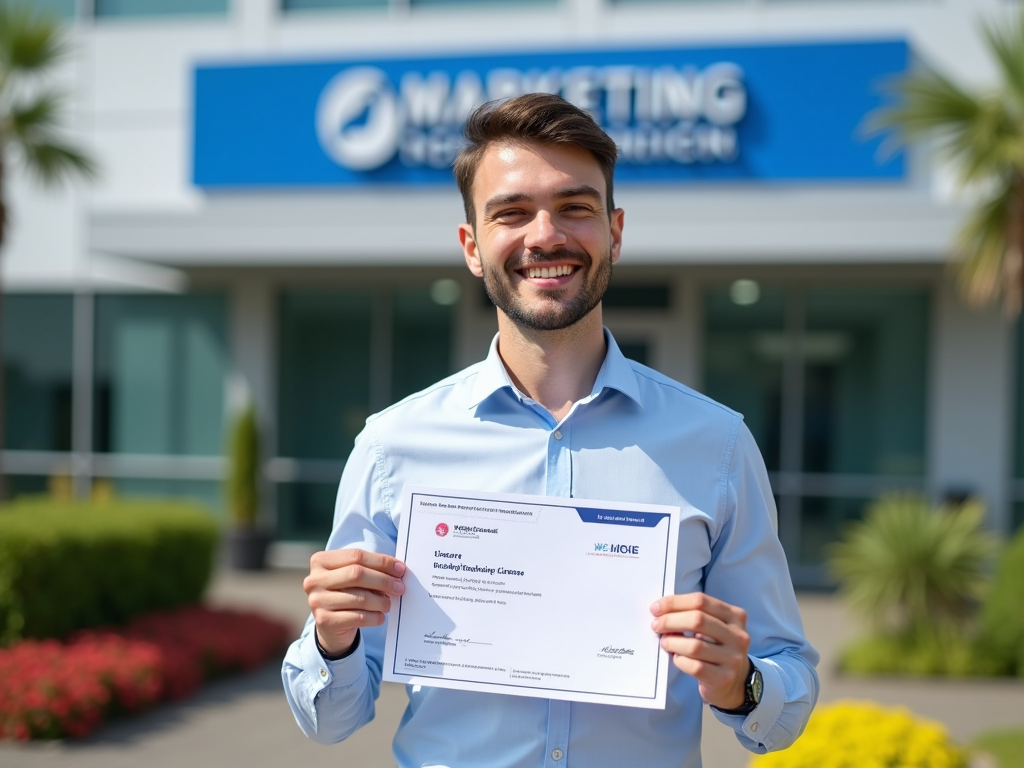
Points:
[(246, 544)]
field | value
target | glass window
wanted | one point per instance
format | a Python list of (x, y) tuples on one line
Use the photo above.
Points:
[(422, 352), (509, 3), (864, 354), (744, 351), (637, 296), (328, 360), (822, 520), (839, 376), (161, 366), (37, 344), (27, 485), (64, 9), (305, 5), (205, 492), (305, 511), (324, 393), (1017, 510), (115, 8)]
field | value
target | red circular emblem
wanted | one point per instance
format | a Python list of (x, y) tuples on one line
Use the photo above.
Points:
[(441, 530)]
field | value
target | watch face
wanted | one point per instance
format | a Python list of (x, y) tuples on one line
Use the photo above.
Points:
[(756, 686)]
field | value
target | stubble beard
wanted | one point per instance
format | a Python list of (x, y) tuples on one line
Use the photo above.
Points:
[(553, 314)]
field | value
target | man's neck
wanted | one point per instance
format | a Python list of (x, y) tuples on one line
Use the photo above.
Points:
[(555, 368)]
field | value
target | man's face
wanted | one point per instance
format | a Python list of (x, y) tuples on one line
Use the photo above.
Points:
[(543, 241)]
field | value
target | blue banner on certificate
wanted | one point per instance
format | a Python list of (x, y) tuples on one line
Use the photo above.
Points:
[(532, 596)]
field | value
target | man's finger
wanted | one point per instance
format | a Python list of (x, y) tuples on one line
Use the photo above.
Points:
[(701, 650), (341, 558), (353, 576), (698, 601), (349, 600), (695, 622)]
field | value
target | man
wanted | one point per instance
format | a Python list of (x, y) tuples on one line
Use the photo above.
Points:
[(556, 410)]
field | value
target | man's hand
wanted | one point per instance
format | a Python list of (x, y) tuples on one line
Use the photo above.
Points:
[(348, 589), (709, 641)]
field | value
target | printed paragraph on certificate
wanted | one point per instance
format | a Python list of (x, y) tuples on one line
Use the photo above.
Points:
[(532, 596)]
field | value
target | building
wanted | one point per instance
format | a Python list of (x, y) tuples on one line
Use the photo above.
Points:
[(274, 218)]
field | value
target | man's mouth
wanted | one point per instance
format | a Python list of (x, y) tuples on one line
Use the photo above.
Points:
[(548, 272)]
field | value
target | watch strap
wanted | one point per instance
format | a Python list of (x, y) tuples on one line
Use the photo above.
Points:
[(749, 702)]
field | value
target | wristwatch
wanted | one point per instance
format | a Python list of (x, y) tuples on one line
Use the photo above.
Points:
[(752, 693)]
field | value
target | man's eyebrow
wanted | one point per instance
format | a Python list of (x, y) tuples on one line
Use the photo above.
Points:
[(583, 190), (499, 200)]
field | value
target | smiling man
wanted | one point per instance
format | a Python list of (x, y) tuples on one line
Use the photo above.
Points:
[(556, 410)]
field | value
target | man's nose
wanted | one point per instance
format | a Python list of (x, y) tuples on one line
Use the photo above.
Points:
[(543, 233)]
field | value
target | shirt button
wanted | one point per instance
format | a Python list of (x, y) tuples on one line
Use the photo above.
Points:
[(753, 727), (323, 672), (558, 436), (557, 754)]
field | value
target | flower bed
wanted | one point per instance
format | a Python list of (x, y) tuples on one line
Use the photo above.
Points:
[(51, 689), (859, 734)]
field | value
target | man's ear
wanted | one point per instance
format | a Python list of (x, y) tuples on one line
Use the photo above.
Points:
[(467, 239), (618, 219)]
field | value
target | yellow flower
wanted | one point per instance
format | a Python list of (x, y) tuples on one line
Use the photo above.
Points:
[(858, 734)]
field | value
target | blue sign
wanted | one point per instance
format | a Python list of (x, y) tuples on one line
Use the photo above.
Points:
[(755, 113)]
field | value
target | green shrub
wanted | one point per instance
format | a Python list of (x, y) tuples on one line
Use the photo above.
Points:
[(67, 566), (911, 569), (1002, 615), (948, 654), (242, 487), (1006, 745)]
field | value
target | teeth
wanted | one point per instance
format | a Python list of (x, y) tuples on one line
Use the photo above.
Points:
[(542, 272)]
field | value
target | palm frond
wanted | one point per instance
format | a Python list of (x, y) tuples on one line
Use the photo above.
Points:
[(37, 117), (981, 246), (1006, 42), (989, 146), (29, 40), (52, 161), (926, 102)]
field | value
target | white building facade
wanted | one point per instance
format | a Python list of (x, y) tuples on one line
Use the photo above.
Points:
[(275, 219)]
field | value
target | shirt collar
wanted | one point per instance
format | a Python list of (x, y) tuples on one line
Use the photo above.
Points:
[(615, 373)]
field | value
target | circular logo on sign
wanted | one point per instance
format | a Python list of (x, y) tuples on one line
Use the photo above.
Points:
[(441, 530), (357, 120)]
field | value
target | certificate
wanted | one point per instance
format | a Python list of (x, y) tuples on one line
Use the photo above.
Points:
[(532, 596)]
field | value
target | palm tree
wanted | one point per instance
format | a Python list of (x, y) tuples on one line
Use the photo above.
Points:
[(30, 116), (982, 133)]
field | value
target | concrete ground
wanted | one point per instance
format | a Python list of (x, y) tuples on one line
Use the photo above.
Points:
[(246, 722)]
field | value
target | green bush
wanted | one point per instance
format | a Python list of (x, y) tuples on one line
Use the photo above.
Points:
[(242, 487), (66, 566), (947, 654), (1002, 615), (911, 569)]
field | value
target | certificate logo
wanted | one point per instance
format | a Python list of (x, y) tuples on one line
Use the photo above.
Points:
[(606, 549), (442, 529)]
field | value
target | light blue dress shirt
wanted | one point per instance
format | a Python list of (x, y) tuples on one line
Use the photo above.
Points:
[(638, 437)]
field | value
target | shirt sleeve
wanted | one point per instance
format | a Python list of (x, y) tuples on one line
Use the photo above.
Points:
[(332, 699), (748, 569)]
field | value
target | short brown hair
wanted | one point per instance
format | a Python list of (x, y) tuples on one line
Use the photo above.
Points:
[(538, 117)]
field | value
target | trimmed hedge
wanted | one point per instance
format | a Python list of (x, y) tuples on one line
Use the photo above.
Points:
[(1002, 615), (67, 566)]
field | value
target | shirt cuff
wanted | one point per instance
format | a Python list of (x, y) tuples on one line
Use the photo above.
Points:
[(758, 725), (341, 672)]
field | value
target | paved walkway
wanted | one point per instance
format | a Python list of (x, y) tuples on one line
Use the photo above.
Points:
[(246, 722)]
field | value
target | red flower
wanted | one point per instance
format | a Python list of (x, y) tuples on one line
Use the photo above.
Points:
[(50, 689)]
